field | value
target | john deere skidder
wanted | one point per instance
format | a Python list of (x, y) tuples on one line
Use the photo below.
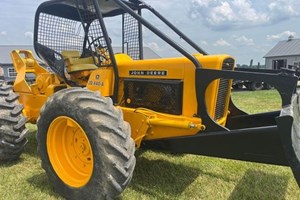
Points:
[(95, 106)]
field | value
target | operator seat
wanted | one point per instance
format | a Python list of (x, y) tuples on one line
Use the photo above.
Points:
[(76, 64)]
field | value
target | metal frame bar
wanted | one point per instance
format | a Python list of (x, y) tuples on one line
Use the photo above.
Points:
[(204, 77), (268, 144), (158, 33), (170, 25), (110, 50), (141, 37), (176, 30), (86, 28), (123, 39), (268, 139)]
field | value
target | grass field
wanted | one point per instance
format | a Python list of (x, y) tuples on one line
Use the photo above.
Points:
[(166, 176)]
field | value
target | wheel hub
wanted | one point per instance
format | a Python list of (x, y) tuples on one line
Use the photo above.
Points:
[(81, 147), (70, 152)]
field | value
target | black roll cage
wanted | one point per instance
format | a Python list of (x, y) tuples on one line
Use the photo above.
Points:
[(124, 7)]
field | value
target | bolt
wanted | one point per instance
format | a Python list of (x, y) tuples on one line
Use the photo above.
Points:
[(192, 125)]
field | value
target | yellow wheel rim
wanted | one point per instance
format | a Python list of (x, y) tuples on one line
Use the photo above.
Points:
[(70, 152)]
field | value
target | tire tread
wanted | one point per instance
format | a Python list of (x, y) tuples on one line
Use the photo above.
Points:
[(12, 125), (113, 138)]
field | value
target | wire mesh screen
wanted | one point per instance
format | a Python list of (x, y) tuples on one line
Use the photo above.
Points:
[(91, 25), (59, 33), (81, 31), (131, 37), (54, 35), (161, 96)]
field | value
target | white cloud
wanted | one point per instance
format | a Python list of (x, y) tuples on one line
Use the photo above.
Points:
[(221, 43), (281, 36), (3, 33), (205, 3), (243, 40), (154, 46), (222, 13), (283, 9), (203, 43), (159, 4), (28, 35), (237, 14)]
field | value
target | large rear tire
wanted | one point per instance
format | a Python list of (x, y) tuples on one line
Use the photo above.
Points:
[(85, 146), (12, 125)]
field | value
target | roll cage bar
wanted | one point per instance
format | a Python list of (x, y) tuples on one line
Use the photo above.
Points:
[(57, 8)]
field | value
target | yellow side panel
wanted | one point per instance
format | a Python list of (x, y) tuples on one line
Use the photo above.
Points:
[(138, 124), (33, 96), (176, 69), (180, 69), (32, 104), (102, 80)]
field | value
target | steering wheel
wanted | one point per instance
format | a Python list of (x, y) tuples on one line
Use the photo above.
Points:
[(100, 51), (97, 39)]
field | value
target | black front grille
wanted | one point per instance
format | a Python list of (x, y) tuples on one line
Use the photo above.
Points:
[(228, 64), (158, 95)]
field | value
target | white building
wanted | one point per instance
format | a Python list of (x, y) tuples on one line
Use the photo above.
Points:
[(286, 53)]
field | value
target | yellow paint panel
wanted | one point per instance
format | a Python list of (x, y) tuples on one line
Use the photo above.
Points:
[(102, 80), (33, 96), (178, 69), (148, 125), (138, 123), (32, 104)]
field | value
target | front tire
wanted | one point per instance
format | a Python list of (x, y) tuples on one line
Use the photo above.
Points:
[(85, 146), (12, 125)]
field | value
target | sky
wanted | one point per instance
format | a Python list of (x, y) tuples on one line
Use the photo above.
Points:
[(245, 29)]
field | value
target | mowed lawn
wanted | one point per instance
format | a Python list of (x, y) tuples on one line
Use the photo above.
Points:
[(167, 176)]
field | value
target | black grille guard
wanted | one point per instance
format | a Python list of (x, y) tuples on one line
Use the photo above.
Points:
[(271, 138)]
